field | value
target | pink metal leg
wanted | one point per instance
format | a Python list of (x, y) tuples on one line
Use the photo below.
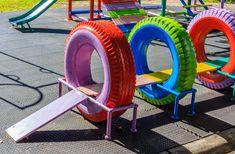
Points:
[(109, 126), (110, 111), (60, 88), (133, 125), (195, 3), (222, 4)]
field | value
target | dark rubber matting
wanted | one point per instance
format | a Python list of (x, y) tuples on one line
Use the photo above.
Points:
[(30, 64)]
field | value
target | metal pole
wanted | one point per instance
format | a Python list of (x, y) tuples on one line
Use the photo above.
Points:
[(99, 8), (222, 4), (90, 99), (60, 88), (91, 10), (195, 3), (163, 12), (109, 126), (69, 10), (192, 105), (133, 125), (176, 109)]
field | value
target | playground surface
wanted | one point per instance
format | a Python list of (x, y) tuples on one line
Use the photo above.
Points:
[(31, 63)]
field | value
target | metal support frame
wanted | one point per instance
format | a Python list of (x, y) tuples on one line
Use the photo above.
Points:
[(229, 76), (23, 27), (178, 95), (91, 12), (175, 115), (110, 111)]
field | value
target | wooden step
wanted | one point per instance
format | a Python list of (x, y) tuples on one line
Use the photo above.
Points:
[(92, 90), (122, 6), (159, 77), (128, 20), (197, 5), (117, 1)]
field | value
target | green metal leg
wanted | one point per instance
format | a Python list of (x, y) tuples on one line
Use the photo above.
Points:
[(233, 97), (163, 12), (25, 29), (232, 77), (30, 29), (22, 27), (189, 2)]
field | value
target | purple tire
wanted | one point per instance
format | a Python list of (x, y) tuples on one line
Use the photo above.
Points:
[(118, 64), (77, 66)]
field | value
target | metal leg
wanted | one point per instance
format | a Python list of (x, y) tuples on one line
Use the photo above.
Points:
[(30, 29), (195, 3), (222, 4), (192, 105), (163, 12), (60, 88), (109, 126), (233, 97), (99, 8), (133, 124), (22, 27), (176, 106)]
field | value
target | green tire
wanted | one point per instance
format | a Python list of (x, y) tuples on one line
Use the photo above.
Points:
[(185, 52)]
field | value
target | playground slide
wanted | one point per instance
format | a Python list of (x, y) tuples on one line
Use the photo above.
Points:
[(35, 12)]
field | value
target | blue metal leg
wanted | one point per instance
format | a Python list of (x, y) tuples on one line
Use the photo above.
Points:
[(176, 109), (192, 105), (233, 97), (177, 98)]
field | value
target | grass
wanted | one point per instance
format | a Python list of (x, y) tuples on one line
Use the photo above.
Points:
[(13, 5), (16, 5)]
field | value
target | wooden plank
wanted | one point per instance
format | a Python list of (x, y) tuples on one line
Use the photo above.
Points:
[(155, 77), (203, 67), (128, 20), (45, 115), (159, 77), (117, 1), (122, 6), (142, 80), (218, 63), (128, 12), (197, 5), (92, 90)]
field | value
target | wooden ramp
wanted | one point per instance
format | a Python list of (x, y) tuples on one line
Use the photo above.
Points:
[(45, 115)]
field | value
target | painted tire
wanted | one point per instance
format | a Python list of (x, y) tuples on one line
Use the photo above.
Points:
[(221, 20), (117, 61), (182, 52)]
